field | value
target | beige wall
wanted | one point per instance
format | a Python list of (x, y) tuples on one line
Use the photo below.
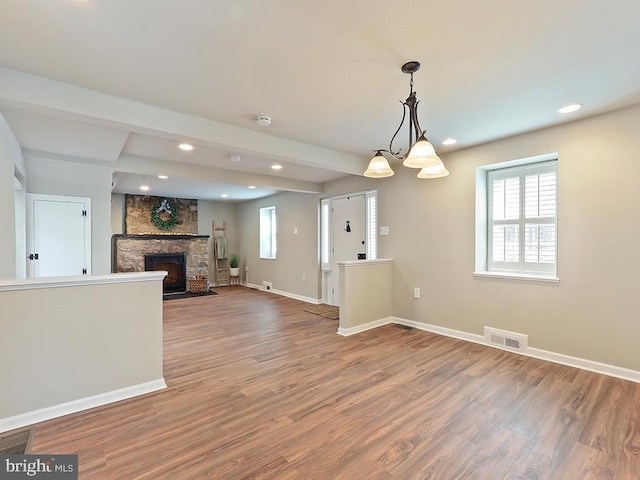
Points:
[(70, 340), (117, 213), (591, 313), (209, 211), (365, 292), (297, 253)]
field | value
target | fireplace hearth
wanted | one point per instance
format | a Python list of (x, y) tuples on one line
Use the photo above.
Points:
[(176, 266)]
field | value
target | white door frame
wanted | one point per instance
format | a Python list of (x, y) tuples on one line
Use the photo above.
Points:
[(326, 254)]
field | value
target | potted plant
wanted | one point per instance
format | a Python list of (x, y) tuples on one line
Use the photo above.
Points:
[(234, 262)]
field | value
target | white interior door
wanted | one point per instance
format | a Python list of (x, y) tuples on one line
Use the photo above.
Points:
[(58, 235), (348, 227)]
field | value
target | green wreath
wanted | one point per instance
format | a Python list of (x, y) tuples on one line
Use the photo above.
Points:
[(164, 214)]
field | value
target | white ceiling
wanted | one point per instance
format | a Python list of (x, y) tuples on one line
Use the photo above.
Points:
[(140, 76)]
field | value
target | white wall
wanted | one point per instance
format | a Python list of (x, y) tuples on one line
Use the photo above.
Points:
[(11, 163), (20, 198), (78, 180)]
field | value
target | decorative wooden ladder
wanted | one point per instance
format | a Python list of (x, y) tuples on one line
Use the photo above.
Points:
[(222, 276)]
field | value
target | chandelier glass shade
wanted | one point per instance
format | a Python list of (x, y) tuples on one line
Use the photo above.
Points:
[(378, 167), (421, 153), (437, 171)]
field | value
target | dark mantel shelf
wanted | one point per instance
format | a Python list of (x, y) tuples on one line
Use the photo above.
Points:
[(157, 236)]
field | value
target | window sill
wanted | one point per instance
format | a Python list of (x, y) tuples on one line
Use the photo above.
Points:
[(517, 276)]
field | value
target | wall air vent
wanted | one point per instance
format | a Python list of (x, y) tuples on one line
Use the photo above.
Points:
[(516, 342)]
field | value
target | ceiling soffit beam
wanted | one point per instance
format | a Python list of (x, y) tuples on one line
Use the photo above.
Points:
[(149, 166), (22, 90)]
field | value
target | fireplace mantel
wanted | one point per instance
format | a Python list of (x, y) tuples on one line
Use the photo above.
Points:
[(157, 236)]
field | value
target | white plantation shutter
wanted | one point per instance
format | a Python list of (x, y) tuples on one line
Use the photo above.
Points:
[(325, 234), (522, 219), (268, 232), (372, 225)]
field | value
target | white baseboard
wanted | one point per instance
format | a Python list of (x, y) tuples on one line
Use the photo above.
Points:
[(582, 363), (447, 332), (345, 332), (295, 296), (55, 411)]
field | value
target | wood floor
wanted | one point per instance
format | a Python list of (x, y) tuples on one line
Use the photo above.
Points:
[(260, 389)]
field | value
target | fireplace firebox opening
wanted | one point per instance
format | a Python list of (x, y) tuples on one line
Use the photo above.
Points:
[(176, 266)]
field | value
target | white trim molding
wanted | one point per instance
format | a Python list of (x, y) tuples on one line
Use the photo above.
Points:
[(55, 411), (295, 296), (79, 280), (346, 332), (562, 359), (359, 263)]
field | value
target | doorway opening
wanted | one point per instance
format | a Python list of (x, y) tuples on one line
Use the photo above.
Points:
[(348, 231)]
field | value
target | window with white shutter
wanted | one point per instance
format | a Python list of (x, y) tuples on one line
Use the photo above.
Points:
[(268, 232), (372, 225), (521, 219), (325, 234)]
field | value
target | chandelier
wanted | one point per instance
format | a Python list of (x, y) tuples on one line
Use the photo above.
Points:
[(420, 154)]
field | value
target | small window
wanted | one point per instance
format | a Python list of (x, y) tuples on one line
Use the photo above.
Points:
[(520, 227), (325, 234), (268, 232)]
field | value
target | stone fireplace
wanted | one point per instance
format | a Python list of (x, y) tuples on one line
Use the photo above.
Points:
[(176, 266), (132, 253), (180, 251)]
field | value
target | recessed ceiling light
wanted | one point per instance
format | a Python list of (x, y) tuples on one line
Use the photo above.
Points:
[(234, 157), (162, 177), (252, 186), (276, 167), (224, 195), (187, 147), (570, 108), (449, 141), (263, 120), (144, 188)]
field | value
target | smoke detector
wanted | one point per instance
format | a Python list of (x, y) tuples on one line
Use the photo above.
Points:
[(263, 120)]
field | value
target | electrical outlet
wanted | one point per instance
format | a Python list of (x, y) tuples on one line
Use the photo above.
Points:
[(416, 292), (304, 277)]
